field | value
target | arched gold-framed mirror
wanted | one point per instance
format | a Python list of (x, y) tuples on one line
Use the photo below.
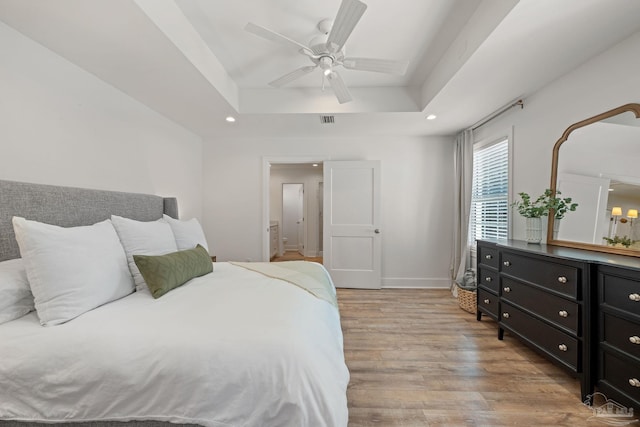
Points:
[(596, 162)]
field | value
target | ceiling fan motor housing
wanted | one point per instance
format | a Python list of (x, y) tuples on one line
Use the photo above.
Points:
[(318, 44)]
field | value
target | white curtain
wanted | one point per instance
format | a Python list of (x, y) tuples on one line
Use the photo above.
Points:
[(463, 170)]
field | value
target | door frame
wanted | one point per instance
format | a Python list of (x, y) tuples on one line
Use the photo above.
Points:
[(266, 180)]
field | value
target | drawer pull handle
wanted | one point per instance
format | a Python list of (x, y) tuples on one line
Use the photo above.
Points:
[(562, 347), (505, 315), (634, 339), (562, 279), (486, 301), (506, 263), (488, 256), (563, 313), (634, 297), (488, 279), (634, 382), (506, 289)]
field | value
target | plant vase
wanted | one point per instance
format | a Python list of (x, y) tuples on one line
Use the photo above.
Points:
[(534, 230), (556, 227)]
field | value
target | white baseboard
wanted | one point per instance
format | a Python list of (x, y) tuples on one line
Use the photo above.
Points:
[(420, 283)]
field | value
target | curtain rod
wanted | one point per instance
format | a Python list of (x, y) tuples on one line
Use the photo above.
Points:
[(504, 109)]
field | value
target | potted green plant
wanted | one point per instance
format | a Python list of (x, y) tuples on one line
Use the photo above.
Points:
[(619, 241), (560, 206), (533, 211)]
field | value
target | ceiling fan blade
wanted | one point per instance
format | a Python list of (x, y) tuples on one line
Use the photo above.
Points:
[(265, 33), (348, 16), (377, 65), (288, 78), (339, 88)]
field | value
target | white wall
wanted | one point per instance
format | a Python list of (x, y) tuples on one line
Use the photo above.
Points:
[(603, 83), (61, 125), (581, 154), (417, 183)]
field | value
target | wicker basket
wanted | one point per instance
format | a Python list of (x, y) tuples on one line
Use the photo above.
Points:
[(467, 300)]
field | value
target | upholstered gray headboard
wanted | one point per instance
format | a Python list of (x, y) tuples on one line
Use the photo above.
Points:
[(69, 207)]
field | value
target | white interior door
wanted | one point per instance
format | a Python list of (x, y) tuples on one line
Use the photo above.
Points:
[(352, 235), (292, 216), (590, 222), (300, 222)]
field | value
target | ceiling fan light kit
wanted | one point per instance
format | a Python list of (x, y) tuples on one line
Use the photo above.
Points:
[(326, 50)]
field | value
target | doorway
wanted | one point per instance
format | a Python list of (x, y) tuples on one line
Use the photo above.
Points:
[(287, 181)]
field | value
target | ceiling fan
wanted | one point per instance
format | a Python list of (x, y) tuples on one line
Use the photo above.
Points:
[(326, 51)]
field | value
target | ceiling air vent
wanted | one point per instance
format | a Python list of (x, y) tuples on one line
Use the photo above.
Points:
[(327, 120)]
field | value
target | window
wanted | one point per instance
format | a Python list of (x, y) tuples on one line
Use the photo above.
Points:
[(490, 192)]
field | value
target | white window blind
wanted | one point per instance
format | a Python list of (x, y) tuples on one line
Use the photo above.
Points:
[(490, 192)]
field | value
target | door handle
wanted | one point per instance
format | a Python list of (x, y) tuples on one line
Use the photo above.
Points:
[(377, 231)]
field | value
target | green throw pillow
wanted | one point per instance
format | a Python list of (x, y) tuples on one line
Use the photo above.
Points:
[(166, 272)]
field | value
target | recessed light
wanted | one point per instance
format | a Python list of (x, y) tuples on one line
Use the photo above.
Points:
[(230, 119), (315, 165), (431, 117)]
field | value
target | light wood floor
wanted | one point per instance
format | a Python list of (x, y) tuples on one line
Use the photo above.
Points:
[(295, 256), (417, 359)]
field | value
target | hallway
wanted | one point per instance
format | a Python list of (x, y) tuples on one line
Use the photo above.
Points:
[(295, 256)]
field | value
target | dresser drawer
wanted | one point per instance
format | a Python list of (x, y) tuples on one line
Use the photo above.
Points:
[(622, 334), (555, 309), (620, 374), (488, 255), (557, 344), (488, 302), (489, 279), (620, 292), (560, 278)]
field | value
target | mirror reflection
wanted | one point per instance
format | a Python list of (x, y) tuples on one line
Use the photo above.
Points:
[(597, 166)]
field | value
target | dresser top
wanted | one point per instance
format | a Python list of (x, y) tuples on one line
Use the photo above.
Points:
[(571, 253)]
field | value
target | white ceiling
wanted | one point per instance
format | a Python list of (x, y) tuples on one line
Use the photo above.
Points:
[(192, 61)]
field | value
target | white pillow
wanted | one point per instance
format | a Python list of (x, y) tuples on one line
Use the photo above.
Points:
[(188, 233), (16, 299), (72, 270), (143, 238)]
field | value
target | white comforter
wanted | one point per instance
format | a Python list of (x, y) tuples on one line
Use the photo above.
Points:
[(232, 348)]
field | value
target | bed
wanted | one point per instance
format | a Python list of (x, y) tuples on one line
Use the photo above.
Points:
[(247, 344)]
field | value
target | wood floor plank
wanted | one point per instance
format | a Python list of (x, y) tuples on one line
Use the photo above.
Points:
[(417, 359)]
